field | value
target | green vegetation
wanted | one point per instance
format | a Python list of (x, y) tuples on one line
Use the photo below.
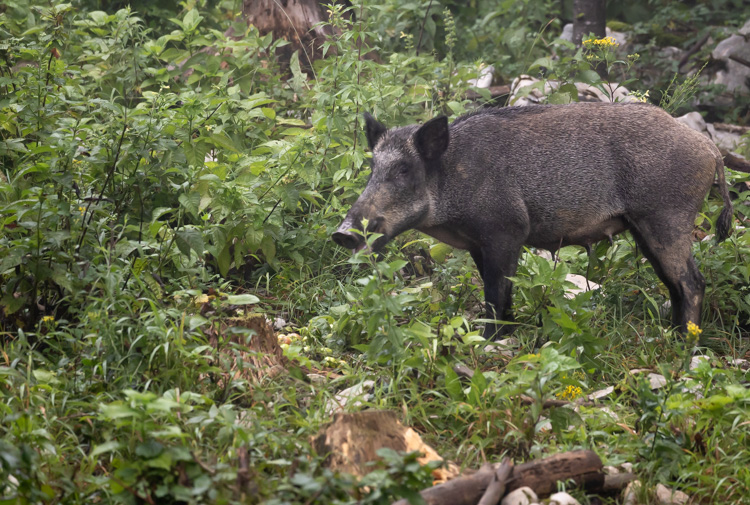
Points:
[(159, 176)]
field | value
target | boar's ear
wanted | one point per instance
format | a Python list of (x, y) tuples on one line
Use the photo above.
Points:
[(374, 130), (432, 138)]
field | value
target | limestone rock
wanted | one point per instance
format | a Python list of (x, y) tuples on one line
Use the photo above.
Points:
[(521, 496), (562, 499), (667, 496)]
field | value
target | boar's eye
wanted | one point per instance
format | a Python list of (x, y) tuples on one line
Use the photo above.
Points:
[(402, 169)]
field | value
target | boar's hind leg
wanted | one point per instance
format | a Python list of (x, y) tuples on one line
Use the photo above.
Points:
[(669, 252), (495, 265)]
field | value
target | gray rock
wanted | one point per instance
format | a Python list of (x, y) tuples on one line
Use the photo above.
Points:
[(631, 493), (562, 499), (620, 37), (728, 140), (696, 361), (581, 285), (507, 347), (610, 470), (694, 120), (601, 393), (521, 496), (656, 380), (667, 496), (350, 397), (538, 91), (279, 323), (740, 363), (734, 75), (484, 80)]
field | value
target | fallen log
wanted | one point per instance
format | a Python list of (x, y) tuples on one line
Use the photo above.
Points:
[(582, 467)]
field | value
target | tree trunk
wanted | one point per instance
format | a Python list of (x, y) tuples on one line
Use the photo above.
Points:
[(589, 16), (292, 20)]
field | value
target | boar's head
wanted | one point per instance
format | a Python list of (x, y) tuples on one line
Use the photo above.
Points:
[(397, 196)]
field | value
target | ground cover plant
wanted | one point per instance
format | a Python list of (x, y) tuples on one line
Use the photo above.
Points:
[(161, 173)]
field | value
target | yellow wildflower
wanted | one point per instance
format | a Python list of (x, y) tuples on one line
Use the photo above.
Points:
[(604, 43), (641, 96), (693, 329), (81, 210), (570, 393), (48, 319)]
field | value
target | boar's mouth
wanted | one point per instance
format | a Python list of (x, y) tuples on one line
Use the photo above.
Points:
[(349, 239)]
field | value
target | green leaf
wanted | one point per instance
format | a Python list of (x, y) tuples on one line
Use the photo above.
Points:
[(221, 139), (439, 251), (245, 299), (191, 20), (589, 77), (298, 77), (112, 445), (224, 260), (268, 112), (189, 238), (149, 449), (453, 384), (268, 246), (99, 17), (478, 385), (14, 145), (190, 202)]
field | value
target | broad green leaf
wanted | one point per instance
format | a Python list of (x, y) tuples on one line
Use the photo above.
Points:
[(245, 299), (439, 251), (110, 446), (453, 384), (189, 238)]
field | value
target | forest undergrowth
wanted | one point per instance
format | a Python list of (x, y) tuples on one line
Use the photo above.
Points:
[(162, 173)]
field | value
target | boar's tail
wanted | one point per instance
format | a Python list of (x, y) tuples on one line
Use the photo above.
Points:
[(724, 223)]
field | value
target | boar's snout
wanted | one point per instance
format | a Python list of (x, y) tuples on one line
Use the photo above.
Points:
[(352, 240), (348, 239)]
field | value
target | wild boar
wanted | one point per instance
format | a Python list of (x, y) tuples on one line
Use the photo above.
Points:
[(545, 176)]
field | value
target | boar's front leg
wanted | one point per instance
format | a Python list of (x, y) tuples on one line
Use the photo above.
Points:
[(496, 263)]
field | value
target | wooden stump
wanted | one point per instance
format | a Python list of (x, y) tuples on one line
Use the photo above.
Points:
[(352, 441), (247, 348)]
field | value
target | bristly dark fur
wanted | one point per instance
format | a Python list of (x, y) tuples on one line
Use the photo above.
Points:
[(515, 111), (547, 176)]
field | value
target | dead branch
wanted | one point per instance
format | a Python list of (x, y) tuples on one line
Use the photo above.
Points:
[(582, 467), (736, 162), (496, 489), (692, 50)]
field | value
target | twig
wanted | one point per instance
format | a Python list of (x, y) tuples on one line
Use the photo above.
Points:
[(421, 28), (203, 465), (360, 42), (496, 489), (736, 162), (104, 186), (558, 403), (693, 50), (741, 61)]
